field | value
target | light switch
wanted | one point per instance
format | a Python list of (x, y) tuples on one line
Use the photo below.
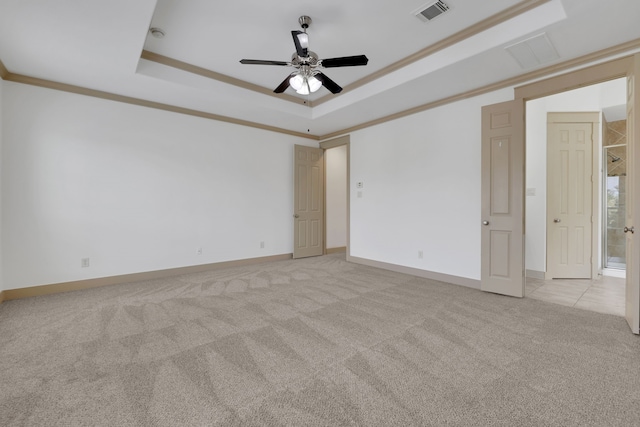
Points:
[(359, 194), (531, 191)]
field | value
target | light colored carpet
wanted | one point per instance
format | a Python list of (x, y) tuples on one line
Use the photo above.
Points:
[(314, 342)]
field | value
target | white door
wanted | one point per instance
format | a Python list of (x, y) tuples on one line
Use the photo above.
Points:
[(632, 297), (308, 200), (502, 236), (570, 194)]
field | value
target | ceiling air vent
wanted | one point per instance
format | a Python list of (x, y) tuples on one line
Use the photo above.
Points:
[(431, 11)]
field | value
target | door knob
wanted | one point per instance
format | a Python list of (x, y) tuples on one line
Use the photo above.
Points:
[(626, 229), (296, 216), (485, 222), (556, 220)]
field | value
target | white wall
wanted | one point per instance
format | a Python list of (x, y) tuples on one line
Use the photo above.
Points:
[(134, 189), (590, 98), (336, 196), (421, 177)]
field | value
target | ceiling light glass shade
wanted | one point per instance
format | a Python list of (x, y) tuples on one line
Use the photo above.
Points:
[(314, 84), (304, 85), (296, 82), (304, 40)]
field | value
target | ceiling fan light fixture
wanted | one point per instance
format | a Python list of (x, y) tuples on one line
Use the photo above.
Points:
[(307, 78), (314, 84), (296, 82), (304, 90), (304, 85)]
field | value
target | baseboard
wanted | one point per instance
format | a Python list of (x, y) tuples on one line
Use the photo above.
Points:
[(456, 280), (534, 274), (612, 272), (10, 294), (340, 249), (1, 297)]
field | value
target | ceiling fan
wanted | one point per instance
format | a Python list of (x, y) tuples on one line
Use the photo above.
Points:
[(307, 77)]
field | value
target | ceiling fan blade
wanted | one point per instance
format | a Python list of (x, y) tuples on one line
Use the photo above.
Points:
[(261, 62), (345, 61), (284, 85), (301, 40), (332, 86)]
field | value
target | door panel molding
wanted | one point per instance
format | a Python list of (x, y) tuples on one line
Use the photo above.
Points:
[(573, 142), (502, 228), (308, 202)]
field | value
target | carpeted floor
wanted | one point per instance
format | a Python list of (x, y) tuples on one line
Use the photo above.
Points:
[(311, 342)]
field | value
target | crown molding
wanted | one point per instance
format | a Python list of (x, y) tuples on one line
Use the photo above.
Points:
[(194, 69), (33, 81), (600, 55)]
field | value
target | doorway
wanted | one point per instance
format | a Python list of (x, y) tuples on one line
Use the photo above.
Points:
[(626, 67), (336, 154), (596, 292)]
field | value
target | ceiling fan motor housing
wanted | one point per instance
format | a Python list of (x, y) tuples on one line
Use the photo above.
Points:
[(311, 59)]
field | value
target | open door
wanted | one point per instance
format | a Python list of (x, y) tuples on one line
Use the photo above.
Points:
[(308, 202), (502, 236), (632, 297)]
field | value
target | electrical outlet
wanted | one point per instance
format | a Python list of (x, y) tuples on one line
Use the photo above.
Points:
[(419, 254), (360, 184), (84, 262), (199, 251), (261, 245)]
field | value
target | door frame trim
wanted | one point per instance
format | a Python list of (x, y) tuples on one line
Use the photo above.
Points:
[(592, 117), (588, 76), (326, 145)]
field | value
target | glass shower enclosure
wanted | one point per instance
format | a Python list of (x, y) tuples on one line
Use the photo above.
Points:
[(615, 166)]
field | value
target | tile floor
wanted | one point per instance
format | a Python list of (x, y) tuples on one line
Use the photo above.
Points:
[(604, 294)]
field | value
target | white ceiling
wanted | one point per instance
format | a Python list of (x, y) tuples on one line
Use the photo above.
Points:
[(98, 45)]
